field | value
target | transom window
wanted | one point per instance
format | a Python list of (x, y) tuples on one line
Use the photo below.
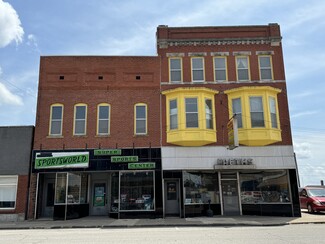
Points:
[(197, 69), (220, 69), (103, 127), (175, 70), (242, 68), (236, 109), (173, 113), (56, 120), (80, 119), (191, 110), (265, 67), (208, 114), (274, 120), (256, 109), (140, 119)]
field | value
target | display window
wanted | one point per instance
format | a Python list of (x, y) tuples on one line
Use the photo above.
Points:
[(137, 191), (71, 188), (201, 188), (264, 187)]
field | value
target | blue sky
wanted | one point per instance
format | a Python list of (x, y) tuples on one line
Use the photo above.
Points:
[(31, 28)]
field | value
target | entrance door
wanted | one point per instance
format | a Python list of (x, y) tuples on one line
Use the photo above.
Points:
[(48, 198), (99, 198), (230, 196), (172, 197)]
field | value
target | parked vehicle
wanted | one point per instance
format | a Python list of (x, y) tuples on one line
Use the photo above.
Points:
[(312, 198)]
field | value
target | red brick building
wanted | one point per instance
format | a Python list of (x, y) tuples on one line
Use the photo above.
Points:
[(149, 136)]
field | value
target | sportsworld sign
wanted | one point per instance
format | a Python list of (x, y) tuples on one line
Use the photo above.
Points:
[(62, 160)]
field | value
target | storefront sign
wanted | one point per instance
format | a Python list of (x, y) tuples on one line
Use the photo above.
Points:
[(235, 161), (63, 160), (105, 152), (124, 159), (141, 165)]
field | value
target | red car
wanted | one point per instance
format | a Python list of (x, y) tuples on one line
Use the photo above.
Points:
[(312, 198)]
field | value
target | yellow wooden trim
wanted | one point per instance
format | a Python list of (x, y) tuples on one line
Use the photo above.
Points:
[(169, 70), (109, 118), (259, 66), (74, 118), (135, 118), (50, 122)]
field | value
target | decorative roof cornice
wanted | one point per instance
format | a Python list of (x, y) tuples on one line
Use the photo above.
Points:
[(164, 43)]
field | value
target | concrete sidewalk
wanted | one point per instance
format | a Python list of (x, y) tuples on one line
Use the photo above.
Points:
[(221, 221)]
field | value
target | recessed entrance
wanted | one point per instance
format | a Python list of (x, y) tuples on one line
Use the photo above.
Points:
[(230, 198), (172, 197)]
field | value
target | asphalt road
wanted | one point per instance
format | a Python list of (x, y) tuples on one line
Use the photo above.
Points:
[(301, 233)]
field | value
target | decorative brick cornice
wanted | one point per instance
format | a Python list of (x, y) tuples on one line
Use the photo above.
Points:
[(163, 43)]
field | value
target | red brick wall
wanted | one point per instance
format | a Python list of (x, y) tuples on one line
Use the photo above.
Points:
[(119, 87)]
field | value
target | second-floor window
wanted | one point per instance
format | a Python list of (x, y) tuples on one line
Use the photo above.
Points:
[(242, 68), (208, 114), (173, 114), (80, 116), (197, 69), (191, 111), (140, 119), (103, 127), (236, 109), (256, 110), (56, 120), (175, 70), (220, 69), (265, 67), (274, 119)]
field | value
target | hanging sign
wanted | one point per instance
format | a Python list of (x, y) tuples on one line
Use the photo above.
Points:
[(232, 128)]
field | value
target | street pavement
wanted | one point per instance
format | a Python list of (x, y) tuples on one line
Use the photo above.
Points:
[(105, 222)]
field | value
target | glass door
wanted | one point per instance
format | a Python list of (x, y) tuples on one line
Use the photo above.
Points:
[(230, 198)]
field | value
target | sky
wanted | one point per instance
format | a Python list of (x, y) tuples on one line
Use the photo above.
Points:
[(32, 28)]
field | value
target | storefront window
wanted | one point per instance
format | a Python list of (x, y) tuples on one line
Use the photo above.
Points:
[(137, 190), (264, 187), (200, 188), (75, 193)]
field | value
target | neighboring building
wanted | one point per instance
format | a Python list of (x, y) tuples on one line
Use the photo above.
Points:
[(15, 157), (210, 74), (97, 138), (147, 136)]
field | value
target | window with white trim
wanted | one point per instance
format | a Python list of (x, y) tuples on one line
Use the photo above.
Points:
[(236, 110), (220, 68), (191, 111), (8, 191), (208, 114), (103, 127), (256, 110), (175, 70), (242, 68), (197, 69), (265, 67), (274, 119), (56, 120), (173, 114), (80, 117), (140, 119)]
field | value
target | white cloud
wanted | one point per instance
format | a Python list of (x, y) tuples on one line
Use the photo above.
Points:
[(301, 114), (8, 98), (303, 150), (10, 25)]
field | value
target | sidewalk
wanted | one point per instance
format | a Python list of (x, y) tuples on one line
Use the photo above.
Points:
[(104, 222)]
